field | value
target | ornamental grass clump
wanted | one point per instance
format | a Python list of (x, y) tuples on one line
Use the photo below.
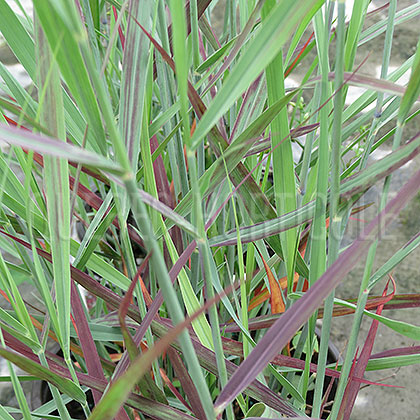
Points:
[(178, 210)]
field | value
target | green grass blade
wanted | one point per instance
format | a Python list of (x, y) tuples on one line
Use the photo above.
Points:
[(413, 89), (283, 165), (334, 237), (20, 396), (58, 18), (56, 184), (17, 37), (53, 147), (134, 78), (353, 32)]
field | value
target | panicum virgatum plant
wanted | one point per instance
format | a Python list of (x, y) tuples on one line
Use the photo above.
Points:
[(178, 209)]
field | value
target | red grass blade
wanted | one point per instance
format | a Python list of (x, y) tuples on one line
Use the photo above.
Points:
[(91, 356), (186, 383), (120, 32), (353, 388)]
